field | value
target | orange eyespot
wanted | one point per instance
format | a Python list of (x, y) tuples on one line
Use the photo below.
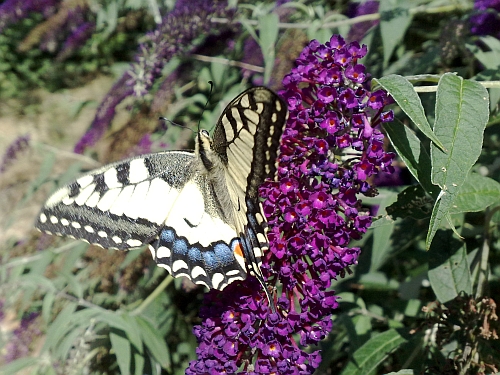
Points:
[(238, 250)]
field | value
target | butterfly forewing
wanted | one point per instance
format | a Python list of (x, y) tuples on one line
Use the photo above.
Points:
[(122, 205), (247, 138)]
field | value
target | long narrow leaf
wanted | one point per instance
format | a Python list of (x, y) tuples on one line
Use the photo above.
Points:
[(367, 358), (477, 193), (395, 19), (155, 343), (408, 100), (19, 364), (58, 328), (413, 153), (122, 350)]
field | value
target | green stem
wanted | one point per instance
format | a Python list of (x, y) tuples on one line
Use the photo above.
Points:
[(159, 289), (484, 255)]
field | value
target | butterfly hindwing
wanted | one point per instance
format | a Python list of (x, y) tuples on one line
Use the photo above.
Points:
[(196, 241)]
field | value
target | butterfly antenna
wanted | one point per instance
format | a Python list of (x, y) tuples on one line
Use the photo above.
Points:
[(161, 118), (208, 101)]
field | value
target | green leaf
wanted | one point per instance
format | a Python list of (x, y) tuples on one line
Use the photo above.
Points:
[(367, 358), (462, 112), (139, 362), (490, 56), (413, 308), (74, 285), (394, 21), (48, 302), (64, 327), (38, 281), (218, 73), (43, 174), (71, 257), (268, 34), (48, 369), (155, 343), (133, 332), (382, 244), (17, 365), (477, 193), (449, 272), (491, 75), (60, 325), (62, 348), (39, 267), (381, 222), (377, 281), (413, 153), (122, 350), (70, 174), (408, 100), (114, 319), (45, 170)]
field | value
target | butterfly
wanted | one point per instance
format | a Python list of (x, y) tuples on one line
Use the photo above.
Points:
[(198, 211)]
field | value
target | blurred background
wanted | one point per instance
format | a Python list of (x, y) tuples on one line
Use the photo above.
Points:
[(82, 83)]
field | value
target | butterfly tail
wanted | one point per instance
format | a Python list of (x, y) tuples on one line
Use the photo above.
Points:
[(251, 247)]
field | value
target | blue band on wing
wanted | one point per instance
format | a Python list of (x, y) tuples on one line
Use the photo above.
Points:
[(217, 258)]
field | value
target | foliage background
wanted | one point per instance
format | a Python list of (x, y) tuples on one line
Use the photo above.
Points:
[(67, 307)]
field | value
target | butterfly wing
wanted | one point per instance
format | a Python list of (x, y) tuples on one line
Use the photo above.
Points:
[(247, 138)]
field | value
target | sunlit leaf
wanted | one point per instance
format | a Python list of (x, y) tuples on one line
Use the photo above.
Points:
[(462, 111), (408, 100)]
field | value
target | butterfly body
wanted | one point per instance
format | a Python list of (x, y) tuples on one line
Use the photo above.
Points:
[(198, 212)]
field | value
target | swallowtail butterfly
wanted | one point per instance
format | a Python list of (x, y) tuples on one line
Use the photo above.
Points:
[(198, 211)]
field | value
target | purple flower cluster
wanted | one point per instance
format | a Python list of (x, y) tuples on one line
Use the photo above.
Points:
[(330, 147), (79, 35), (21, 143), (66, 31), (486, 21), (11, 11), (65, 25), (22, 338), (105, 113), (174, 36)]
